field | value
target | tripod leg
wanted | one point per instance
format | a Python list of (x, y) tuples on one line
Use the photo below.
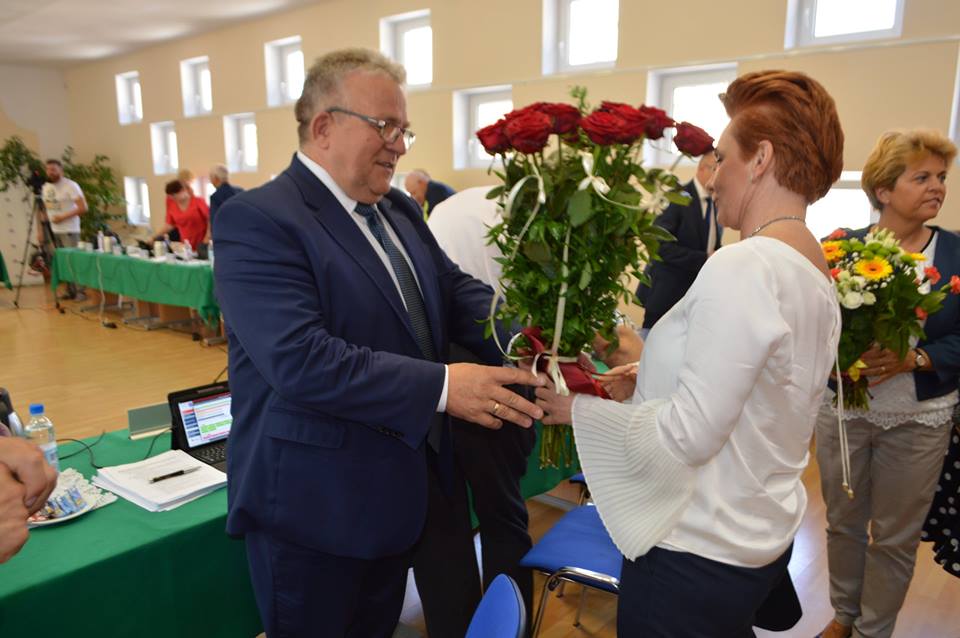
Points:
[(34, 212)]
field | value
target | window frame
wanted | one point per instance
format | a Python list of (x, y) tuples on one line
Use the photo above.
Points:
[(466, 105), (191, 86), (165, 160), (275, 53), (234, 147), (661, 83), (128, 86), (392, 29), (141, 200), (801, 27), (556, 35), (954, 130)]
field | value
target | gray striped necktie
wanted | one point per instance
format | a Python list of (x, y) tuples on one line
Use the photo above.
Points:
[(412, 299)]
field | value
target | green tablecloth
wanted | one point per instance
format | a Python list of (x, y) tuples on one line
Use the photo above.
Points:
[(4, 275), (157, 282), (123, 571)]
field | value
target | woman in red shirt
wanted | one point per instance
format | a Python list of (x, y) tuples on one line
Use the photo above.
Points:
[(189, 215)]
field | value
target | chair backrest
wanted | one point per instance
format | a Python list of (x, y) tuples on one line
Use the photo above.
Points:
[(501, 613)]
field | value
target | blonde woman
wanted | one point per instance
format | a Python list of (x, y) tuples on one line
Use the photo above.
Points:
[(897, 446)]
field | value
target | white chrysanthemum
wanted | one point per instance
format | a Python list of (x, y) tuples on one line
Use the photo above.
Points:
[(869, 299), (852, 300)]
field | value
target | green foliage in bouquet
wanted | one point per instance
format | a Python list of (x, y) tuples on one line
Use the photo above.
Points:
[(578, 213)]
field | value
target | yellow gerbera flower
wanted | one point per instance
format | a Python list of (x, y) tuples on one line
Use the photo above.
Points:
[(873, 269), (918, 256), (832, 250)]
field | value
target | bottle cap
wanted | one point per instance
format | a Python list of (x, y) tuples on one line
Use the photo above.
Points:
[(36, 408)]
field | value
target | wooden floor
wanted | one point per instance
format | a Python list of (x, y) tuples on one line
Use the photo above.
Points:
[(88, 376)]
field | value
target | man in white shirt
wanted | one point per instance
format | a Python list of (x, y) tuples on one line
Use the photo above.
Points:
[(64, 203)]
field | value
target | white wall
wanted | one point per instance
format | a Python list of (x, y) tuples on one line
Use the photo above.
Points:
[(35, 99)]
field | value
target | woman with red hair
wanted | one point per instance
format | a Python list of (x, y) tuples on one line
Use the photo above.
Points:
[(698, 478)]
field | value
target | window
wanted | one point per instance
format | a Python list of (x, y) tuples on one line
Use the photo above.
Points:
[(845, 206), (472, 110), (202, 188), (690, 95), (163, 138), (240, 139), (129, 101), (138, 201), (580, 34), (813, 22), (408, 39), (285, 70), (195, 83)]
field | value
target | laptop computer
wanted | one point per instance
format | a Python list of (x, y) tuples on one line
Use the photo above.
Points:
[(201, 422)]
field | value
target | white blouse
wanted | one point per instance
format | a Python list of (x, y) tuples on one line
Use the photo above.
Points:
[(708, 457)]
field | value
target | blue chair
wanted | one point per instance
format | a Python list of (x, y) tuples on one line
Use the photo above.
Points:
[(577, 549), (501, 613)]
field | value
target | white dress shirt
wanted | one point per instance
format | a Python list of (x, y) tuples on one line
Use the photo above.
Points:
[(461, 224), (708, 457), (350, 206)]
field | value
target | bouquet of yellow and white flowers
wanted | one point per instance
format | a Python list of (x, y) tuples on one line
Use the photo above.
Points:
[(885, 293)]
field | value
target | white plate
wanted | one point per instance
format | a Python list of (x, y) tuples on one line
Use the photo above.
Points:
[(61, 519)]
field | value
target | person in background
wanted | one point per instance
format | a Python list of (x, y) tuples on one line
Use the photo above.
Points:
[(220, 178), (64, 203), (897, 446), (340, 308), (698, 480), (189, 215), (186, 177), (427, 192), (26, 480)]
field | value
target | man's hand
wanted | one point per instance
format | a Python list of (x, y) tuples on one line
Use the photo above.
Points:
[(476, 393), (557, 409), (13, 515), (25, 461)]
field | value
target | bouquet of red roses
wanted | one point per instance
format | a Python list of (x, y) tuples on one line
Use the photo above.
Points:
[(578, 212)]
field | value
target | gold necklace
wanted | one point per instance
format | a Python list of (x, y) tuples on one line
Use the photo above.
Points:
[(795, 218)]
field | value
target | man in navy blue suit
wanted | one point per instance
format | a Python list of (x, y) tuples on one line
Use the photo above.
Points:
[(340, 308), (220, 179), (698, 236)]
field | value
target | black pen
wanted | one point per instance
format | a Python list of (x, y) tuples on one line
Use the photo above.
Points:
[(164, 477)]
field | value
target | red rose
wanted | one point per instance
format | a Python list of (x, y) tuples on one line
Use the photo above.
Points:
[(528, 130), (955, 285), (565, 118), (635, 123), (692, 140), (655, 121), (921, 313), (835, 273), (493, 138), (932, 274), (603, 128), (837, 234)]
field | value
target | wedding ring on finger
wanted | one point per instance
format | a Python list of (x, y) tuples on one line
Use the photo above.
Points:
[(496, 408)]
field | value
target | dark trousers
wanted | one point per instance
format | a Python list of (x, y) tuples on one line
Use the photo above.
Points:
[(667, 594), (493, 462), (303, 592), (444, 561)]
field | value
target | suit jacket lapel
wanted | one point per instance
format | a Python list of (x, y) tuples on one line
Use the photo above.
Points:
[(341, 227)]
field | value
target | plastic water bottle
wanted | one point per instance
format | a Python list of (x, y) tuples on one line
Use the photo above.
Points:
[(99, 241), (40, 430)]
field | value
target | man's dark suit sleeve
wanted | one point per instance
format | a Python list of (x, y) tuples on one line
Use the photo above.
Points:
[(672, 253), (266, 288)]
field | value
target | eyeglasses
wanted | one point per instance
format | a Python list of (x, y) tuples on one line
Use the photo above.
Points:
[(388, 131)]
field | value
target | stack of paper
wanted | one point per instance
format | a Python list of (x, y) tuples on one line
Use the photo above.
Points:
[(162, 482)]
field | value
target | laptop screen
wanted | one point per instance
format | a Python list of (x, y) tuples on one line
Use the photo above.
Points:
[(206, 419)]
